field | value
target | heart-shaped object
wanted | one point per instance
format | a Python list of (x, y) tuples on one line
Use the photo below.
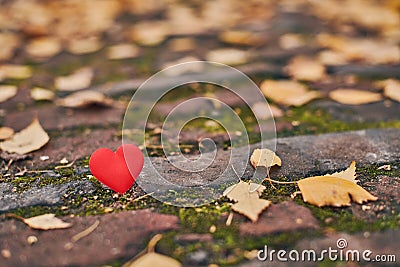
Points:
[(117, 170)]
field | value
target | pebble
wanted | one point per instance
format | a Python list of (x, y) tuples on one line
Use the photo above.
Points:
[(6, 253), (32, 239)]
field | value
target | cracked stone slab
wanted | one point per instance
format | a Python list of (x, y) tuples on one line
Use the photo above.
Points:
[(45, 195), (119, 236)]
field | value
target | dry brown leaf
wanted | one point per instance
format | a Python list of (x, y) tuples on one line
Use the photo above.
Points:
[(6, 133), (240, 38), (15, 71), (9, 43), (122, 51), (348, 174), (154, 259), (84, 99), (247, 197), (354, 96), (260, 111), (7, 92), (228, 56), (305, 68), (264, 157), (39, 94), (332, 191), (290, 93), (333, 58), (182, 44), (391, 88), (368, 50), (78, 80), (291, 41), (43, 47), (149, 33), (84, 46), (46, 222), (27, 140)]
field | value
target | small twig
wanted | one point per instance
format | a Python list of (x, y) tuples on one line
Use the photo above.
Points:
[(279, 182), (144, 196), (85, 232), (270, 182), (229, 219), (64, 166), (12, 215)]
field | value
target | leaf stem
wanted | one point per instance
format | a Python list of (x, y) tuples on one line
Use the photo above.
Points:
[(279, 182)]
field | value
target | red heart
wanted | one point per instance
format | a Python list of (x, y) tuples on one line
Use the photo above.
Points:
[(117, 170)]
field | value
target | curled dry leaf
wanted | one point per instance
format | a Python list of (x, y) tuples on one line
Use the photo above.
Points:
[(84, 46), (80, 79), (44, 47), (332, 191), (306, 69), (84, 99), (264, 157), (354, 96), (247, 197), (13, 71), (229, 56), (7, 92), (39, 94), (122, 51), (46, 222), (391, 88), (27, 140), (6, 133), (289, 93)]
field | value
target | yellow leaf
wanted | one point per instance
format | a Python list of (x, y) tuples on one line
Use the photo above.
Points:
[(391, 88), (306, 69), (229, 56), (348, 174), (46, 222), (332, 191), (153, 259), (289, 93), (247, 196), (39, 94), (264, 157), (29, 139), (78, 80), (84, 99), (6, 132), (7, 92), (354, 97)]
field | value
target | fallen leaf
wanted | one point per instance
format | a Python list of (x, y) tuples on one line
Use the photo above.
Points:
[(354, 96), (332, 191), (7, 92), (240, 38), (348, 174), (333, 58), (247, 197), (289, 93), (43, 47), (39, 94), (13, 71), (6, 133), (229, 56), (84, 99), (78, 80), (154, 259), (46, 222), (182, 44), (291, 41), (27, 140), (305, 68), (9, 43), (264, 114), (391, 88), (122, 51), (84, 46), (264, 157), (149, 33)]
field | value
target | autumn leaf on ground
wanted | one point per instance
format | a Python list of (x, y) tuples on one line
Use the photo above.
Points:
[(247, 197), (84, 99), (332, 191), (289, 93), (6, 133), (40, 94), (78, 80), (13, 71), (43, 222), (229, 56), (348, 174), (27, 140), (391, 88), (264, 157), (305, 69), (354, 97), (151, 258), (7, 92)]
